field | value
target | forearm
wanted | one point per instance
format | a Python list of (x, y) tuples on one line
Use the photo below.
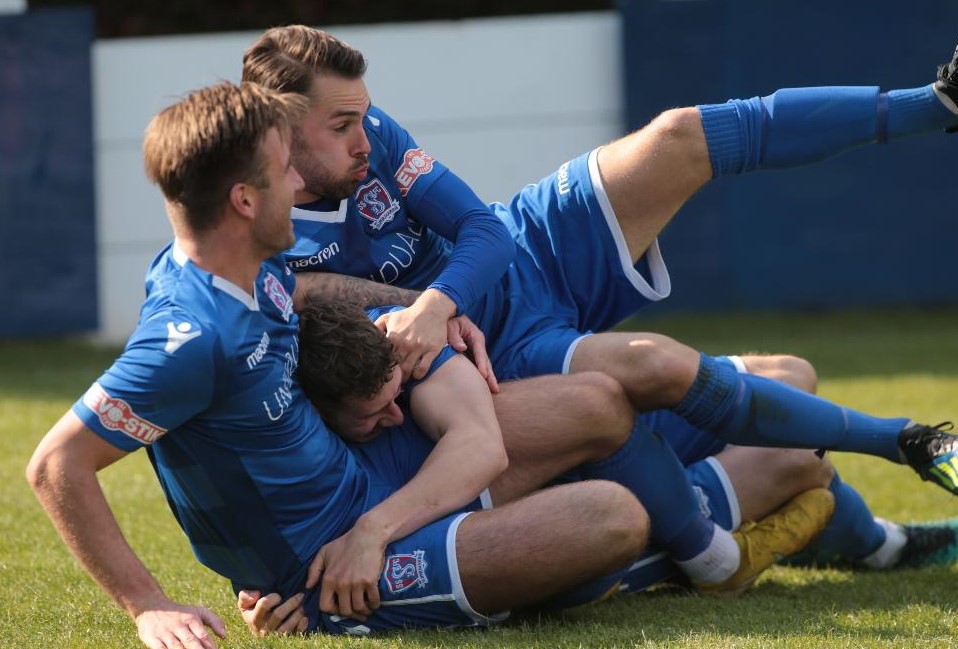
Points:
[(483, 248), (334, 287), (71, 495), (455, 473)]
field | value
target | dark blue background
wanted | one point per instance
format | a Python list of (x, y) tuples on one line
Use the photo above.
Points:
[(876, 226), (47, 219)]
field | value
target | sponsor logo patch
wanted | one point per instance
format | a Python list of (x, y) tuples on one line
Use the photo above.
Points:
[(415, 163), (375, 204), (318, 259), (253, 359), (116, 414), (278, 295), (403, 571)]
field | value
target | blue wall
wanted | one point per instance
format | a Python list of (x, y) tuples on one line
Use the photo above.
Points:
[(47, 220), (877, 226)]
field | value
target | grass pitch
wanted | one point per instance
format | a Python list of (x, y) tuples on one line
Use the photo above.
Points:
[(886, 363)]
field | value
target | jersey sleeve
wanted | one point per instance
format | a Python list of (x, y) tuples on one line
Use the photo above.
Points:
[(164, 377), (444, 203)]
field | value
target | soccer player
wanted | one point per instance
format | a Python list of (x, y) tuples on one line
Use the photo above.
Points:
[(258, 483), (732, 483), (350, 372), (376, 206)]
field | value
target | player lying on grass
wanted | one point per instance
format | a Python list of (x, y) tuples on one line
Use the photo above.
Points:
[(361, 399), (352, 375)]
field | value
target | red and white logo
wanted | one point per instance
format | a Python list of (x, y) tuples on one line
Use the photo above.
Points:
[(415, 163), (116, 414), (403, 571), (375, 204), (278, 295)]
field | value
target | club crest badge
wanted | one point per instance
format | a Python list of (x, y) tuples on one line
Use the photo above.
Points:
[(278, 296), (375, 204), (403, 571)]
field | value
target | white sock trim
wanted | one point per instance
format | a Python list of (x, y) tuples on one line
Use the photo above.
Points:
[(716, 563), (738, 363), (888, 553), (729, 491)]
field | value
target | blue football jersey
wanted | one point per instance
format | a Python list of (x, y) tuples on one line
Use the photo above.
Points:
[(372, 234), (207, 384), (410, 222)]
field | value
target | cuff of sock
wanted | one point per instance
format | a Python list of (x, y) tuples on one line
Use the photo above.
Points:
[(723, 137)]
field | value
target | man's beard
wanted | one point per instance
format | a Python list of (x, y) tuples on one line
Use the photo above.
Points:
[(321, 183)]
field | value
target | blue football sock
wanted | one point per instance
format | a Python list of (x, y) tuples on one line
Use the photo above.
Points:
[(648, 467), (852, 533), (754, 411), (652, 567), (797, 126), (593, 590)]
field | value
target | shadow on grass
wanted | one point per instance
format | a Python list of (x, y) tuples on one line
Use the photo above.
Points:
[(865, 606), (828, 608)]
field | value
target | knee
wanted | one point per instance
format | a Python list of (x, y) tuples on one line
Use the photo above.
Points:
[(793, 370), (804, 469), (622, 523), (659, 371), (606, 411), (799, 373)]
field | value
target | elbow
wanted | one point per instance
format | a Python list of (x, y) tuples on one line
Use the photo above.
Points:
[(38, 471)]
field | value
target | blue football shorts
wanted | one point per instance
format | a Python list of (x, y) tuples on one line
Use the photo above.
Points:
[(572, 274), (420, 585), (567, 228)]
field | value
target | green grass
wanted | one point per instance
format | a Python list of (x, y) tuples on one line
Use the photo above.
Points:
[(886, 363)]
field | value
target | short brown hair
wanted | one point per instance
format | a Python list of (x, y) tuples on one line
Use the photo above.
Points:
[(199, 147), (286, 59), (342, 355)]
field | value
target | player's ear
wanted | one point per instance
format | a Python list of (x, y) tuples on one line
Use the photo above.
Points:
[(242, 199)]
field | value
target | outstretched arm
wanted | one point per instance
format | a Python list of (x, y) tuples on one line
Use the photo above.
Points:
[(62, 473)]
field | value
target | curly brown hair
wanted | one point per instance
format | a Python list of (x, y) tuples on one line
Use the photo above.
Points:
[(342, 355)]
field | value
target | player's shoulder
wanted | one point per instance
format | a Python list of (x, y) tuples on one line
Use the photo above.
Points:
[(377, 119), (381, 126)]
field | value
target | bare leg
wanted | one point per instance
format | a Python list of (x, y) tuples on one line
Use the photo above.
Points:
[(547, 543), (649, 174), (551, 424), (656, 371), (795, 371), (764, 478)]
